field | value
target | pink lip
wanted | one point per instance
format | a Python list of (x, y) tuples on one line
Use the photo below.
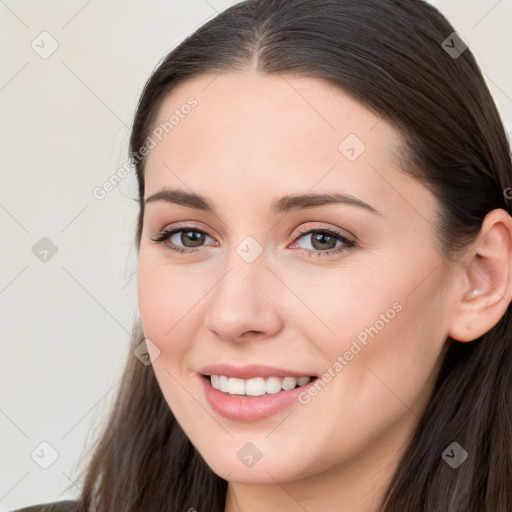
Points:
[(250, 371), (249, 408)]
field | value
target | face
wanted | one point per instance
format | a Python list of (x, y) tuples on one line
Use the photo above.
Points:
[(267, 289)]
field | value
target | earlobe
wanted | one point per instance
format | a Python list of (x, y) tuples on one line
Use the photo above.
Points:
[(487, 278)]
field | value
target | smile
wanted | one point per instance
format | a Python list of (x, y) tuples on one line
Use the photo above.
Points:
[(254, 392), (256, 386)]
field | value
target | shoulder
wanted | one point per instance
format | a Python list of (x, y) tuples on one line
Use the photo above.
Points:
[(55, 506)]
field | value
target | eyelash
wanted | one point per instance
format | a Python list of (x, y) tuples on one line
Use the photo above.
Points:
[(348, 243)]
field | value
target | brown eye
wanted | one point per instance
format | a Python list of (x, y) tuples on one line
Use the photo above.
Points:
[(324, 241), (194, 238), (182, 238)]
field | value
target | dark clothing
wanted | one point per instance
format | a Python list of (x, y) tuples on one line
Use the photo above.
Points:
[(55, 506)]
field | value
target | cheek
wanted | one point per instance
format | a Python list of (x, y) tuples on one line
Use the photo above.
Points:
[(165, 300), (344, 307), (390, 360), (152, 301), (384, 346), (388, 312), (165, 314)]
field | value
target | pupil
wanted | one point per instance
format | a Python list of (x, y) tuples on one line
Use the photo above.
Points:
[(193, 236), (322, 238)]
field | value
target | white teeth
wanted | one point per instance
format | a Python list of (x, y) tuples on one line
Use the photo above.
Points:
[(236, 386), (273, 384), (289, 383), (223, 383), (302, 381), (256, 386), (215, 381)]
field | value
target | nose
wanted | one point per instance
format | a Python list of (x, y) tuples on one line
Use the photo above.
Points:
[(244, 303)]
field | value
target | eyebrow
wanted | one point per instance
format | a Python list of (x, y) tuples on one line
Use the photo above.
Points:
[(283, 204)]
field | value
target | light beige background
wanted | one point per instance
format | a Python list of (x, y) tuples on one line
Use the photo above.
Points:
[(64, 126)]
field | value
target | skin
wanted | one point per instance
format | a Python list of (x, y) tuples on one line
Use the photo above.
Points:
[(253, 138)]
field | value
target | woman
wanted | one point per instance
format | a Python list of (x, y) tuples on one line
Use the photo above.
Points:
[(324, 272)]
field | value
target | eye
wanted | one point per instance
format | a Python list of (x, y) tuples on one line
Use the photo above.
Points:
[(189, 236), (323, 241)]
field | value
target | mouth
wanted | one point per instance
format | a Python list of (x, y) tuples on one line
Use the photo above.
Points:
[(256, 386), (253, 392)]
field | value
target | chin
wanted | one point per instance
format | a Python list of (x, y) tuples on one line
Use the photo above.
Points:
[(256, 462)]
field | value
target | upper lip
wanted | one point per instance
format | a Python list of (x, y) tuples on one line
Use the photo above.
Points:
[(250, 371)]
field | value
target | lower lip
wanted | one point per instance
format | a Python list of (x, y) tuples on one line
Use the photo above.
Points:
[(250, 408)]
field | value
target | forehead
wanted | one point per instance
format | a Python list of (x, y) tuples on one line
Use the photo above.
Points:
[(270, 135)]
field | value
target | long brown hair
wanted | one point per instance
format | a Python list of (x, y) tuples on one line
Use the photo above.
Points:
[(392, 56)]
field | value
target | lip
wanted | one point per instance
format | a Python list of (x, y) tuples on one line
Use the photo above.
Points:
[(249, 408), (251, 371)]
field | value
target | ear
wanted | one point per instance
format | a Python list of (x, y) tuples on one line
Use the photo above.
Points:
[(487, 268)]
